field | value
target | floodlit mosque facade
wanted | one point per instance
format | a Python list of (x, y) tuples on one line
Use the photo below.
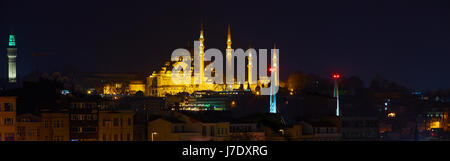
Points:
[(159, 83)]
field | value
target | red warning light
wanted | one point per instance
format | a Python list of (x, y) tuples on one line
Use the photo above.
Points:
[(336, 76)]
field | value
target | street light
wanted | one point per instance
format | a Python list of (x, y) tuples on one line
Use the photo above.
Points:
[(154, 133)]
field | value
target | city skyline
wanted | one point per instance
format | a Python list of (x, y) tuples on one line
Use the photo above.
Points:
[(225, 80), (381, 38)]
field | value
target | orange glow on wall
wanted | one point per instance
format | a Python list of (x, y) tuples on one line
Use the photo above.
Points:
[(435, 125), (392, 114), (136, 86)]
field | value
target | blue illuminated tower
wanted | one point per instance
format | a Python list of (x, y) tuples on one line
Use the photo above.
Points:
[(273, 100), (273, 81)]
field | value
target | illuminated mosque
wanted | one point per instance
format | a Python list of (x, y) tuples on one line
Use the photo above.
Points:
[(159, 83)]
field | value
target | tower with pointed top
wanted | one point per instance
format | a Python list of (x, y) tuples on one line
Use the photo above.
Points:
[(12, 55), (274, 75), (229, 57), (229, 37), (202, 55), (250, 68), (275, 64)]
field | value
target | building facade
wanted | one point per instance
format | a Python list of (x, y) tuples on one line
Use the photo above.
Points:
[(115, 126), (84, 120), (29, 128), (360, 128), (246, 132), (180, 127), (56, 125), (7, 118)]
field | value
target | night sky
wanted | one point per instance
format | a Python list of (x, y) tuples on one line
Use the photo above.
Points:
[(404, 41)]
